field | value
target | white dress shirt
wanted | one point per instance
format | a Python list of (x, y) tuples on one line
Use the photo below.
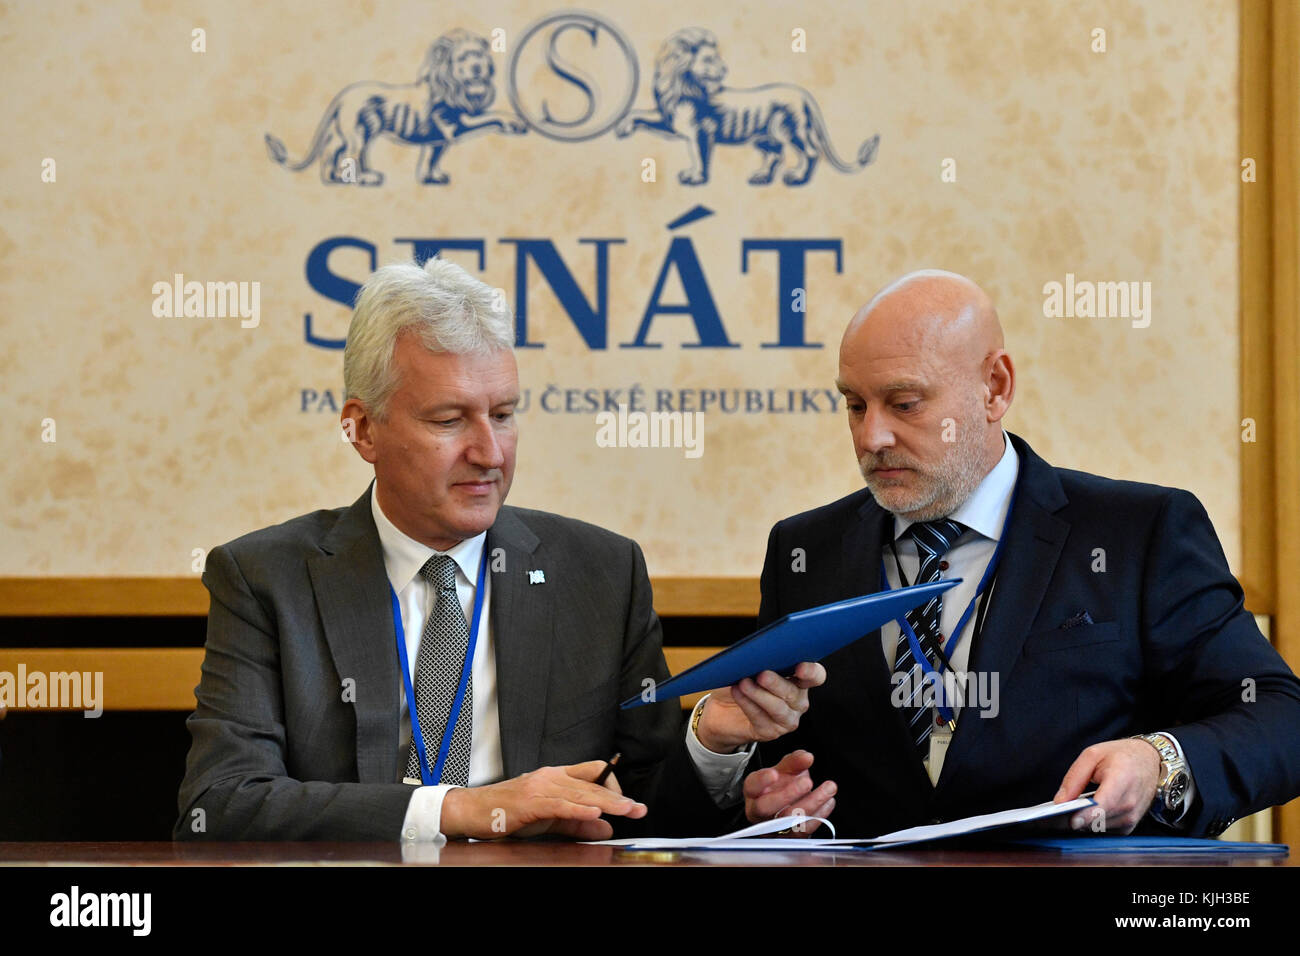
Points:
[(984, 515), (721, 774)]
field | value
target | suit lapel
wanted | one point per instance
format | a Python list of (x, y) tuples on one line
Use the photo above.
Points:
[(1035, 538), (521, 619), (863, 542), (861, 564), (352, 594)]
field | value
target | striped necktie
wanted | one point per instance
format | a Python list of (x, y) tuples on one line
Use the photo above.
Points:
[(933, 539), (443, 644)]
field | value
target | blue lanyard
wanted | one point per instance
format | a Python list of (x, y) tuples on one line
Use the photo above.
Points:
[(922, 658), (431, 777)]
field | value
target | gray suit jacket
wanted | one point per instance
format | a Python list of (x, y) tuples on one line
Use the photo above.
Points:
[(299, 608)]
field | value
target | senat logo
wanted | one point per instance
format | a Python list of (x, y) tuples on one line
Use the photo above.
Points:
[(573, 76)]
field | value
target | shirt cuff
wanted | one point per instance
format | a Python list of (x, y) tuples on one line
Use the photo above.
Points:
[(424, 815), (722, 774), (1190, 795)]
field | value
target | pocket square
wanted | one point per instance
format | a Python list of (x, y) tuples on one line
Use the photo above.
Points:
[(1083, 617)]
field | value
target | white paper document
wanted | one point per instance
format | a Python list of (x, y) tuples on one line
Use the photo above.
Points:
[(758, 836)]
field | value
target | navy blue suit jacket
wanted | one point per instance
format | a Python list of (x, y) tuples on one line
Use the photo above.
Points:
[(1172, 648)]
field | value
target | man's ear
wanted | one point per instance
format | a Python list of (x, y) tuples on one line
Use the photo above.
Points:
[(1000, 383), (357, 426)]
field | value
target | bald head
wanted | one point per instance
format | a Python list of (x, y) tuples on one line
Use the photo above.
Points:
[(930, 309), (927, 381)]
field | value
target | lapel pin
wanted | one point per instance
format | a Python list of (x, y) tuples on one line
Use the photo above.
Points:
[(536, 577)]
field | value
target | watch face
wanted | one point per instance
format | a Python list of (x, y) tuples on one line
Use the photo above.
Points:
[(1177, 789)]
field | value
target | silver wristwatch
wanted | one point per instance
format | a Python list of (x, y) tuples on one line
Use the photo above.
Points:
[(1171, 791)]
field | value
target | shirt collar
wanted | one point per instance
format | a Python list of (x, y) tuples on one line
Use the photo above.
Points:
[(985, 511), (404, 556)]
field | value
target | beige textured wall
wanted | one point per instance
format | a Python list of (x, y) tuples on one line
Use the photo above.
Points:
[(175, 434)]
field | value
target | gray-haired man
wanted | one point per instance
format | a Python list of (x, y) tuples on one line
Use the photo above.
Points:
[(515, 632)]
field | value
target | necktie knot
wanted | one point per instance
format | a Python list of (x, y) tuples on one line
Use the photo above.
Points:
[(440, 571), (936, 537)]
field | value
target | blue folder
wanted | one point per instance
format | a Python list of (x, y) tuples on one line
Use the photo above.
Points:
[(1148, 844), (802, 636)]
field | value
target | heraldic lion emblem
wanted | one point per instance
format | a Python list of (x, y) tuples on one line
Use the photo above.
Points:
[(448, 100), (780, 119)]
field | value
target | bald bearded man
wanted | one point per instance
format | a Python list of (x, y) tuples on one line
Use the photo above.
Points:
[(1097, 637)]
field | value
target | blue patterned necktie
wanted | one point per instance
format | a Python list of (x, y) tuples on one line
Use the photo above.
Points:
[(933, 539), (443, 645)]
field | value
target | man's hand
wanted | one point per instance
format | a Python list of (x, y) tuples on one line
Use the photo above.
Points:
[(1126, 773), (559, 800), (757, 710), (786, 788)]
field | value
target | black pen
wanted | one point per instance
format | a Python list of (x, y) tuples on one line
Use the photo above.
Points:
[(609, 768)]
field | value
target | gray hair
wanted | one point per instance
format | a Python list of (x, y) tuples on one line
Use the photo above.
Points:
[(447, 307)]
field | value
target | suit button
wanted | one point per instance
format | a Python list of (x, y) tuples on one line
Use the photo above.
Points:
[(935, 821)]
